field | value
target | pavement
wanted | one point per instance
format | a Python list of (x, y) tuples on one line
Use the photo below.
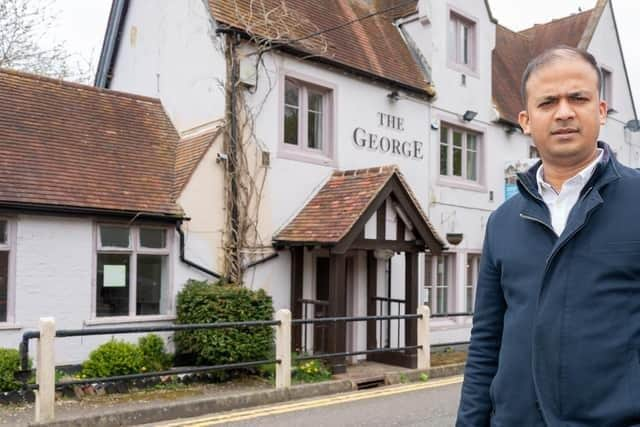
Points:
[(154, 406)]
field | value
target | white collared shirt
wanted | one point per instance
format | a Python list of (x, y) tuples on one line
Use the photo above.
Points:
[(560, 204)]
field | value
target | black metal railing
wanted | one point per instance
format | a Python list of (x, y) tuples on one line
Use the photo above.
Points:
[(64, 333), (320, 331), (346, 319), (384, 328)]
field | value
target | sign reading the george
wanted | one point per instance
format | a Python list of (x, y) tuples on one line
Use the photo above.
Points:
[(385, 144)]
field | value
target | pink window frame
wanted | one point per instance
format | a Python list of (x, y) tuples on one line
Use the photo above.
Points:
[(462, 182), (608, 89), (10, 246), (327, 155), (454, 14)]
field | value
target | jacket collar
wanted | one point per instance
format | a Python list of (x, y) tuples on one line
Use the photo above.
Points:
[(605, 172)]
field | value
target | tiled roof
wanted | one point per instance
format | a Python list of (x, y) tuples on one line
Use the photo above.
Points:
[(334, 210), (514, 50), (372, 46), (190, 151), (69, 145)]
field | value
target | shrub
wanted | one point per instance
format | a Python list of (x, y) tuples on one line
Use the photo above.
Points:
[(113, 358), (202, 302), (154, 356), (9, 365)]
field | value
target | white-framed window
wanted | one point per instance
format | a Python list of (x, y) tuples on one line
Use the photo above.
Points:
[(606, 93), (473, 266), (307, 120), (5, 261), (459, 153), (439, 281), (132, 270), (462, 41)]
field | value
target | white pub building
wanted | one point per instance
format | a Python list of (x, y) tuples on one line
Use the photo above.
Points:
[(357, 148)]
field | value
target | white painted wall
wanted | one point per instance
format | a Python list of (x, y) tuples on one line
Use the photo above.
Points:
[(55, 262), (604, 46), (169, 50)]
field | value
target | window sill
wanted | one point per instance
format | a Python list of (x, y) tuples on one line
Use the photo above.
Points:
[(461, 68), (10, 327), (307, 157), (463, 184), (129, 319)]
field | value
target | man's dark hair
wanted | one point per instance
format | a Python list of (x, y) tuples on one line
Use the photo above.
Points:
[(554, 54)]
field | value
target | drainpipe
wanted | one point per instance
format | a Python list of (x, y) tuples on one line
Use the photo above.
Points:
[(191, 263), (260, 261)]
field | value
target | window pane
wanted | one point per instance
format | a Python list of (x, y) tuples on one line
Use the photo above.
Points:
[(291, 125), (315, 102), (112, 293), (465, 44), (150, 284), (472, 142), (469, 299), (3, 232), (457, 153), (315, 130), (153, 238), (444, 150), (472, 165), (114, 236), (4, 283), (291, 95)]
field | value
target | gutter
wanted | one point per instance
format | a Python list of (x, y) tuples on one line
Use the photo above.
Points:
[(110, 43)]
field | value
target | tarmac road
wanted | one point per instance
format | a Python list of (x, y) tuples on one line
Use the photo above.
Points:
[(429, 404)]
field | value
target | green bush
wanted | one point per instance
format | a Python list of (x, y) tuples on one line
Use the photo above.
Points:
[(9, 365), (310, 371), (154, 356), (113, 358), (202, 302)]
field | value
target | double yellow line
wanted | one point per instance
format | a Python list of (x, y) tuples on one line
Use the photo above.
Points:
[(298, 406)]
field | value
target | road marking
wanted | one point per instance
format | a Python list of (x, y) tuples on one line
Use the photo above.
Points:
[(298, 406)]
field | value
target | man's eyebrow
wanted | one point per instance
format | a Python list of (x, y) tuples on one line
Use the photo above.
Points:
[(546, 98)]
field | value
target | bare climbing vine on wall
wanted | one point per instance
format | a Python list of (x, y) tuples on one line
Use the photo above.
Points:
[(258, 27)]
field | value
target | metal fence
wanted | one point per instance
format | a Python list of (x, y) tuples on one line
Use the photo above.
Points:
[(45, 369)]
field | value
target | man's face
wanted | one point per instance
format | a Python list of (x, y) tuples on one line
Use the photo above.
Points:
[(564, 111)]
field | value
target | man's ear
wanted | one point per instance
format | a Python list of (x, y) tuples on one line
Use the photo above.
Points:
[(523, 119), (602, 109)]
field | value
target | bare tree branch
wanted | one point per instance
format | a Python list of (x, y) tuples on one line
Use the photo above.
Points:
[(24, 24)]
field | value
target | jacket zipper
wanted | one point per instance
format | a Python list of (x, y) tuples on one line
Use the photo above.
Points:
[(539, 221)]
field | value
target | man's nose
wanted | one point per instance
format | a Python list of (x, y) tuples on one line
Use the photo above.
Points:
[(564, 111)]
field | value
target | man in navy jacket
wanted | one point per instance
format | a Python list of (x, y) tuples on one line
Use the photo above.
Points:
[(556, 334)]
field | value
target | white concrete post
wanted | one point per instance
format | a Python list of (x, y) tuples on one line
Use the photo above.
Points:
[(283, 349), (424, 339), (46, 371)]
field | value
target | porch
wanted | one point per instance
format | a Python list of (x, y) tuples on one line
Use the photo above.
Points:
[(356, 250)]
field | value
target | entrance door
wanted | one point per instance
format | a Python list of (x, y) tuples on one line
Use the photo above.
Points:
[(321, 330)]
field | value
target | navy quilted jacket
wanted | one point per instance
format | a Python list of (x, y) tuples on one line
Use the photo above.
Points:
[(556, 333)]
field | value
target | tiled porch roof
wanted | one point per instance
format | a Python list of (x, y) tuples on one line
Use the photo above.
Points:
[(341, 202)]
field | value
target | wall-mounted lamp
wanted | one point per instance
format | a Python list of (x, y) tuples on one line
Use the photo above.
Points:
[(633, 125), (454, 238), (393, 96), (510, 130), (469, 115)]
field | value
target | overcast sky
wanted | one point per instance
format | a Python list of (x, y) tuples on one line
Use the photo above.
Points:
[(82, 23)]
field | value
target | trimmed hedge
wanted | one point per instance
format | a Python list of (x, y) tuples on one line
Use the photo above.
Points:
[(205, 302), (9, 365)]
